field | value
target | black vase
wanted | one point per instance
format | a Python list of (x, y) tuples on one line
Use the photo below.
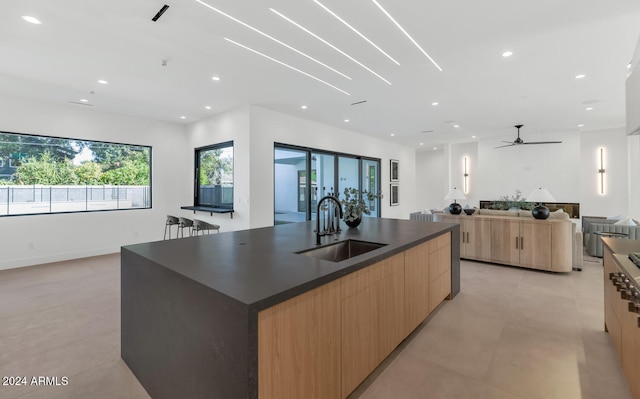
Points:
[(353, 224)]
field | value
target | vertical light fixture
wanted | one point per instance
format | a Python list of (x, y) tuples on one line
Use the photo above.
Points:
[(466, 176), (601, 170)]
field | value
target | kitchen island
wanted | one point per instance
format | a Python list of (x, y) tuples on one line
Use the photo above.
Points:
[(245, 315)]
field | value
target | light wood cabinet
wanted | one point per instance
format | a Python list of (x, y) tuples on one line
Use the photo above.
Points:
[(439, 270), (372, 318), (622, 321), (302, 333), (416, 285), (324, 343), (475, 237), (518, 241), (524, 243)]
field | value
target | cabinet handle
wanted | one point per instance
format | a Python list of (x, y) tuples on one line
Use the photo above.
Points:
[(521, 242), (467, 237), (516, 242)]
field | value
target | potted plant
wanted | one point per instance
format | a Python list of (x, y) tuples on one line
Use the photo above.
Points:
[(355, 205)]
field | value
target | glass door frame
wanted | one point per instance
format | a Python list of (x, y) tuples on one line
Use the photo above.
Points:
[(309, 152)]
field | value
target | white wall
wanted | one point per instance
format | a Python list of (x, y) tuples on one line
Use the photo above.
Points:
[(567, 170), (229, 126), (431, 179), (35, 239), (615, 200), (268, 127), (633, 176), (456, 173)]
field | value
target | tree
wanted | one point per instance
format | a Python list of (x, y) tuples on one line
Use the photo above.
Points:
[(89, 173), (19, 147), (46, 170), (213, 166), (111, 156), (131, 172)]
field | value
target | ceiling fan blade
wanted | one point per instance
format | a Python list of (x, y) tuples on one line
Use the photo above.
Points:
[(508, 145), (510, 142), (543, 142)]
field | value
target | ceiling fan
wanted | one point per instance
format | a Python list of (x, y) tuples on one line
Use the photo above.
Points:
[(519, 141)]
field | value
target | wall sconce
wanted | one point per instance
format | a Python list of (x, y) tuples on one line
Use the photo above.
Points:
[(601, 171), (466, 177)]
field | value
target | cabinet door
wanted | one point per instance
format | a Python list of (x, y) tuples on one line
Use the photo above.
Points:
[(416, 280), (302, 333), (535, 245), (505, 241), (477, 239), (372, 318), (439, 270), (464, 253), (630, 349)]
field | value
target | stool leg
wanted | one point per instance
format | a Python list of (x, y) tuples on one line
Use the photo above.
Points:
[(165, 232)]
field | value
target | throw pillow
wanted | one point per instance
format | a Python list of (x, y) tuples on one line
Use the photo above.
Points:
[(625, 222)]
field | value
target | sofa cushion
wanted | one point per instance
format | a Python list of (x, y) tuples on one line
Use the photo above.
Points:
[(625, 222)]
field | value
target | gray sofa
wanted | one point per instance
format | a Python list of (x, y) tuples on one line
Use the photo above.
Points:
[(593, 243)]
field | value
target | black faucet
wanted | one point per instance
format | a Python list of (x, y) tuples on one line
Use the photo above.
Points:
[(330, 198)]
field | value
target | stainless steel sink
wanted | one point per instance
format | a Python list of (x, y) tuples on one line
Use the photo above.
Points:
[(341, 250)]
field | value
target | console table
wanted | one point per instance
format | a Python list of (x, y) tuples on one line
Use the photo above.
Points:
[(516, 241)]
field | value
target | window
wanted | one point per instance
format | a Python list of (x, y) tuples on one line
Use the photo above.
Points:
[(214, 176), (60, 175), (295, 196)]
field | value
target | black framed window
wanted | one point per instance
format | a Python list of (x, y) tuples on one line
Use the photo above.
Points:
[(44, 174), (214, 176), (303, 175)]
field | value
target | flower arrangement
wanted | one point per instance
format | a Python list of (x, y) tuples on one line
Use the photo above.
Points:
[(515, 201), (355, 204)]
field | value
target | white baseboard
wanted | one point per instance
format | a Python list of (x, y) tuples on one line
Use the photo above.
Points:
[(38, 260)]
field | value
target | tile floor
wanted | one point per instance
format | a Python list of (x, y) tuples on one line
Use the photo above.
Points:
[(510, 333)]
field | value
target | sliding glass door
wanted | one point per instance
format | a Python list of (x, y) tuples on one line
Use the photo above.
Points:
[(323, 168), (303, 175), (291, 197)]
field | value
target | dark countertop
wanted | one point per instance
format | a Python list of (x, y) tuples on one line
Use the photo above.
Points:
[(259, 267)]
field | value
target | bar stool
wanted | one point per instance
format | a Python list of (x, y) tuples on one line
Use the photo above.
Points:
[(171, 221), (202, 226), (184, 222)]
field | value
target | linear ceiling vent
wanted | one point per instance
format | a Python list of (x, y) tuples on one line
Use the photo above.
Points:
[(427, 131), (159, 14), (359, 102)]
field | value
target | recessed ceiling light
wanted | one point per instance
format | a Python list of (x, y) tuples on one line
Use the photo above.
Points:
[(629, 66), (435, 148), (407, 34), (392, 134), (355, 30), (271, 37), (580, 125), (103, 82), (588, 109), (346, 120), (183, 117), (207, 107), (580, 76), (473, 137), (434, 104), (421, 143), (84, 100), (216, 78), (31, 19), (507, 54), (329, 44), (286, 65), (456, 125), (304, 107)]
